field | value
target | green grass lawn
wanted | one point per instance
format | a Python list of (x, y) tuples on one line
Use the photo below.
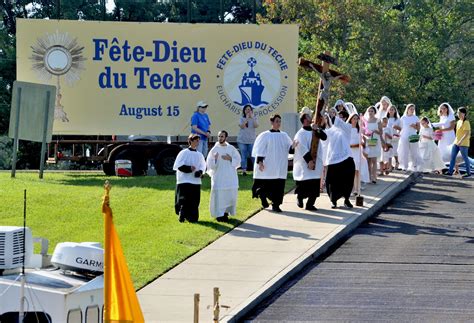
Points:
[(67, 207)]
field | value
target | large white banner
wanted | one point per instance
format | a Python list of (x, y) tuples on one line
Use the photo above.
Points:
[(146, 78)]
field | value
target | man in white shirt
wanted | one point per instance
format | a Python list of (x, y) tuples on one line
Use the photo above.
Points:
[(222, 163), (307, 171), (271, 164), (189, 166)]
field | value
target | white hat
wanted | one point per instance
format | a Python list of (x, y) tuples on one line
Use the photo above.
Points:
[(201, 104), (306, 110)]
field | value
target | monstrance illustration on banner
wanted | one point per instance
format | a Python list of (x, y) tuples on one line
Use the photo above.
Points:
[(58, 55)]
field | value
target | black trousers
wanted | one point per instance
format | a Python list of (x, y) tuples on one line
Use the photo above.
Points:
[(187, 199), (273, 189), (308, 189)]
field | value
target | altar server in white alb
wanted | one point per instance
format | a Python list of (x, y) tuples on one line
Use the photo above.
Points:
[(189, 166), (306, 170), (222, 163), (270, 151)]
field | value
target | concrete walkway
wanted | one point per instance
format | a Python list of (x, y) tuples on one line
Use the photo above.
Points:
[(254, 259)]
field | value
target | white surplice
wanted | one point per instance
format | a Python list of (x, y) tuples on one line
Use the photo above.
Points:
[(274, 147), (188, 157), (337, 144), (301, 172)]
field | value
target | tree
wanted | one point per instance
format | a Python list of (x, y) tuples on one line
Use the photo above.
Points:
[(416, 51)]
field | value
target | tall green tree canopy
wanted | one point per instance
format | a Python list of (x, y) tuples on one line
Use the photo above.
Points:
[(412, 51)]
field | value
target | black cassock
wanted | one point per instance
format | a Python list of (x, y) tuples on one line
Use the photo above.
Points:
[(340, 179)]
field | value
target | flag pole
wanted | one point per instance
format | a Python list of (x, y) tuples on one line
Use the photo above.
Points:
[(120, 300), (107, 253)]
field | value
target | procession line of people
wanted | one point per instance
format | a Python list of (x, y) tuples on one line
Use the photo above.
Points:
[(347, 149)]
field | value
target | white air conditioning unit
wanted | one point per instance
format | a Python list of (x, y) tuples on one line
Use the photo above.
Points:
[(11, 247)]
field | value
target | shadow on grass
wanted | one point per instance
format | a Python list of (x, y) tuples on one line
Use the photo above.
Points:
[(160, 182)]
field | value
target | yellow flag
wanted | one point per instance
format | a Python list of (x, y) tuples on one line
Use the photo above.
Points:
[(120, 301)]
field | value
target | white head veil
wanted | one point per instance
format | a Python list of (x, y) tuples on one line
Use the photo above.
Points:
[(429, 122), (386, 99), (450, 109), (381, 113), (406, 109), (352, 115), (366, 113), (396, 111), (351, 108), (377, 106), (341, 102)]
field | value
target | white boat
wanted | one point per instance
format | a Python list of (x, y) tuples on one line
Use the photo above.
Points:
[(65, 288)]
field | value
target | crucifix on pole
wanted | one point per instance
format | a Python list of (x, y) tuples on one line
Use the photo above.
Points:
[(326, 75)]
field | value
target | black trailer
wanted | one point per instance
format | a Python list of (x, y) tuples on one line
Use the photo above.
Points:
[(103, 153)]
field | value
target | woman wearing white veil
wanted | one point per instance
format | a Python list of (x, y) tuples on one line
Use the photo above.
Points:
[(408, 150), (351, 108), (341, 105), (382, 107), (429, 152), (394, 123), (374, 141), (446, 125), (356, 142)]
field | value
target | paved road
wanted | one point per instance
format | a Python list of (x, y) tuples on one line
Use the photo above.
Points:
[(413, 262)]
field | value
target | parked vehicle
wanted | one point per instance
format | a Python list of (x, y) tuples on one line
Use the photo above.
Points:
[(144, 153)]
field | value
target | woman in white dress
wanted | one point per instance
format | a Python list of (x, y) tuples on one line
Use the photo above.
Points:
[(394, 123), (361, 168), (408, 151), (446, 125), (429, 152), (374, 141)]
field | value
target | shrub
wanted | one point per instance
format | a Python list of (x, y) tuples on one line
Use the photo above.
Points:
[(6, 152)]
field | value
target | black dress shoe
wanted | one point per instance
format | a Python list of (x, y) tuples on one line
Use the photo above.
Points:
[(222, 219), (333, 206), (348, 204), (311, 208), (276, 208), (299, 202)]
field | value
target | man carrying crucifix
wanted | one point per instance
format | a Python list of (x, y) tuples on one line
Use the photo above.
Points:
[(306, 171), (340, 165)]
